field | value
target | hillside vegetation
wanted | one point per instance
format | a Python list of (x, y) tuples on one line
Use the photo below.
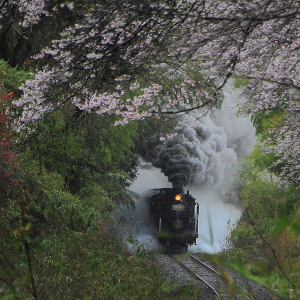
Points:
[(60, 191), (265, 244)]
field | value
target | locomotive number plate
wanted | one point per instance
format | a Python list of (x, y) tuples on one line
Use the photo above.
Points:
[(177, 207)]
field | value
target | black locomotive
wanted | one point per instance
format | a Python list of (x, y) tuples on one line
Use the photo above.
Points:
[(175, 215)]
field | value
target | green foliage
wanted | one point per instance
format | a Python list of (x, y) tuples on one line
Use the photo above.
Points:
[(240, 82), (261, 159), (73, 247), (285, 208), (50, 203), (264, 121), (259, 189), (11, 78), (112, 147), (83, 148), (265, 242), (92, 265)]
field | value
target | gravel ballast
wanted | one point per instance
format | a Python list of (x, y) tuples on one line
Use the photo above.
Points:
[(184, 283)]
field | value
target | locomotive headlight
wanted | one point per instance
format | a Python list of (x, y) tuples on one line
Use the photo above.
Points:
[(178, 197)]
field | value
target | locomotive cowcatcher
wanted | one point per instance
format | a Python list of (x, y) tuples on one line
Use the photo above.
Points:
[(175, 215)]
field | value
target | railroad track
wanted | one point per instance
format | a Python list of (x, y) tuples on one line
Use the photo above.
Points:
[(222, 287)]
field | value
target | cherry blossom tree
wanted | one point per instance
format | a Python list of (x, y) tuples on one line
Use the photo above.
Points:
[(128, 58), (117, 59)]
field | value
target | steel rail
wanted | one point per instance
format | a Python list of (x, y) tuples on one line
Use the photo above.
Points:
[(206, 266), (196, 276), (204, 281), (219, 274)]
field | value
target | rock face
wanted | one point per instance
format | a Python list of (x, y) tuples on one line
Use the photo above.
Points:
[(185, 285)]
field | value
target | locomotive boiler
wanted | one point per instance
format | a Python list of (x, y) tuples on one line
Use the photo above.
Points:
[(175, 216)]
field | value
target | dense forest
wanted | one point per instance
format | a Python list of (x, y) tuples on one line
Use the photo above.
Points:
[(86, 87)]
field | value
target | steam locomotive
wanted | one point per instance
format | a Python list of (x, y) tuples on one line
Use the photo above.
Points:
[(175, 216)]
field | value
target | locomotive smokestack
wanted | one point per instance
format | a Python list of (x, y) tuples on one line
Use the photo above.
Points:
[(178, 190)]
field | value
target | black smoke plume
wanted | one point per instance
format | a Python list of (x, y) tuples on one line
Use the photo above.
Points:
[(174, 161), (195, 152)]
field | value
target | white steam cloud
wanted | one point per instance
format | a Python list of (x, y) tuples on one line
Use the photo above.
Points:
[(239, 131)]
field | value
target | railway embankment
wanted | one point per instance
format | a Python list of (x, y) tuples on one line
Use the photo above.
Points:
[(186, 286)]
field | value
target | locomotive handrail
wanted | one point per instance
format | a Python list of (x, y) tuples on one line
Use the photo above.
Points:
[(197, 219)]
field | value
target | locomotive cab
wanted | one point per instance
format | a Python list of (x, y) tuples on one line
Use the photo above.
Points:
[(175, 216)]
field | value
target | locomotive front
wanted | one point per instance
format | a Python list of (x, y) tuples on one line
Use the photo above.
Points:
[(175, 215)]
